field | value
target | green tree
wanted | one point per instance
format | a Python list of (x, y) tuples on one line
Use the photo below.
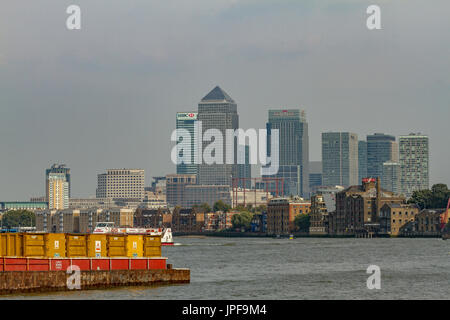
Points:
[(435, 198), (302, 222), (221, 206), (242, 220), (204, 207), (18, 218)]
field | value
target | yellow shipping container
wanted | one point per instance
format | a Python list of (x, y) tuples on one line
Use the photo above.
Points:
[(117, 252), (76, 245), (11, 244), (135, 246), (33, 245), (2, 244), (97, 245), (117, 245), (152, 241), (55, 245), (152, 252)]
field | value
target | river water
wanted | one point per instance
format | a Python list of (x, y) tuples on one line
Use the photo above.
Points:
[(304, 268)]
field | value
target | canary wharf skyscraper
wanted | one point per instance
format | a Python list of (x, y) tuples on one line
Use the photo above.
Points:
[(217, 110), (186, 120), (414, 163), (340, 158), (293, 149)]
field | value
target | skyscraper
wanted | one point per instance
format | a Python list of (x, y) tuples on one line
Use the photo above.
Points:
[(186, 120), (340, 158), (391, 177), (244, 169), (293, 149), (57, 190), (362, 160), (414, 163), (217, 110), (380, 149), (58, 168)]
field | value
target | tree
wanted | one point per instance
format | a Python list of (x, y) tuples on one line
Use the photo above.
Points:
[(242, 220), (302, 222), (221, 206), (204, 207), (435, 198), (18, 218)]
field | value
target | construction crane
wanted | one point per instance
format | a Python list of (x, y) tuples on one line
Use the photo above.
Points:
[(444, 216)]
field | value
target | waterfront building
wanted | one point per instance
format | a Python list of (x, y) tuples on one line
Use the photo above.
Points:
[(293, 149), (122, 217), (358, 208), (57, 221), (362, 160), (391, 177), (281, 213), (121, 184), (318, 216), (88, 219), (217, 110), (414, 163), (57, 190), (340, 158), (186, 121), (393, 216), (381, 148), (153, 218), (82, 203), (429, 222)]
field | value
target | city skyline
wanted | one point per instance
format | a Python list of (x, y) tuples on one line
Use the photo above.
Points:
[(121, 94)]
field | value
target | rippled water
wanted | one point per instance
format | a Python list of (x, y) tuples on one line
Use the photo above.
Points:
[(305, 268)]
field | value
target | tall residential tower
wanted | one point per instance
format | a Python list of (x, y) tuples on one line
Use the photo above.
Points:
[(414, 163)]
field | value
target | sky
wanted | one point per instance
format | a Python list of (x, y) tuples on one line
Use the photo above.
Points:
[(106, 96)]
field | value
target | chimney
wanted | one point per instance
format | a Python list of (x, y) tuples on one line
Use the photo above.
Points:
[(378, 199)]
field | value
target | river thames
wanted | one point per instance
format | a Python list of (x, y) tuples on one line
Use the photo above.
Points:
[(303, 268)]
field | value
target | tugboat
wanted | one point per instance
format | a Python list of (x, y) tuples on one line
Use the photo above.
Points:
[(108, 227)]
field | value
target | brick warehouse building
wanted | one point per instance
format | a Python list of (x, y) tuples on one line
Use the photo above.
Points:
[(358, 208)]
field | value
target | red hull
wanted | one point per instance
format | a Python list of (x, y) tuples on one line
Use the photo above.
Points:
[(167, 243)]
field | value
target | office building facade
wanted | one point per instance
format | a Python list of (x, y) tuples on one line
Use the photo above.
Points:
[(381, 148), (362, 160), (186, 121), (340, 158), (293, 149), (121, 184), (217, 110)]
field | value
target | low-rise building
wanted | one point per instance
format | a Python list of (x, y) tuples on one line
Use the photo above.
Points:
[(23, 205), (393, 216), (281, 213), (429, 222)]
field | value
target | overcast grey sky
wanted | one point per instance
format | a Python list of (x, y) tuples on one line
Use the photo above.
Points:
[(106, 96)]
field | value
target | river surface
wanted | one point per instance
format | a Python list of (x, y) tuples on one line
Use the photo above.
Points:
[(304, 268)]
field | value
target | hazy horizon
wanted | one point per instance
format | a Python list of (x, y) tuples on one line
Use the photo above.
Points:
[(106, 96)]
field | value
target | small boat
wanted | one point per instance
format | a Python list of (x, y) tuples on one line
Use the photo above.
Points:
[(291, 237), (446, 236), (109, 228)]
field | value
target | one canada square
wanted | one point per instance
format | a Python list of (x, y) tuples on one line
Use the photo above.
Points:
[(217, 110)]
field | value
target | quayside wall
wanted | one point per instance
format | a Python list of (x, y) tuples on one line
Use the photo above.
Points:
[(16, 282)]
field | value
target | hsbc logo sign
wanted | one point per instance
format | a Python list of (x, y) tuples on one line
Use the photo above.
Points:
[(187, 116)]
